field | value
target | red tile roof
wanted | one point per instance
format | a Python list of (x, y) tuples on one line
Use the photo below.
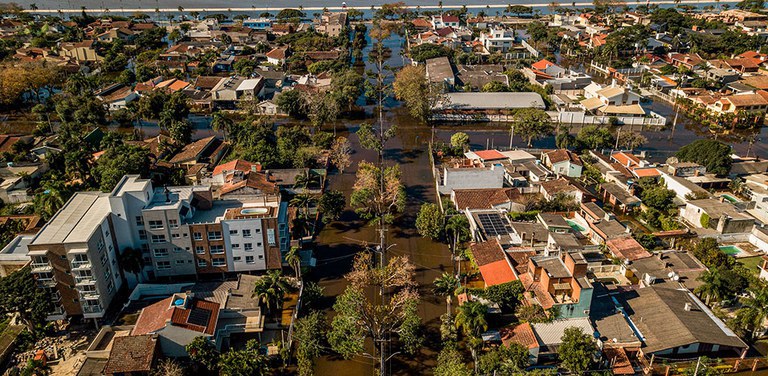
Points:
[(487, 252), (449, 18), (521, 334), (626, 160), (490, 155), (618, 357), (420, 22), (162, 313), (278, 53), (542, 64), (646, 172), (562, 155), (497, 272), (484, 198), (627, 248), (235, 165)]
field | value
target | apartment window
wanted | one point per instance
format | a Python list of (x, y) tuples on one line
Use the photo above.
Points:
[(200, 250), (172, 223), (214, 235), (107, 273), (155, 225), (163, 265), (110, 287), (175, 236), (233, 232), (83, 259), (139, 220), (104, 259), (249, 260), (87, 288), (177, 249), (202, 264), (247, 233), (100, 246), (218, 262), (261, 257), (271, 236), (158, 238), (179, 262), (235, 245), (258, 231), (198, 236), (237, 259), (217, 249), (144, 247), (107, 233), (258, 244), (161, 252), (248, 246)]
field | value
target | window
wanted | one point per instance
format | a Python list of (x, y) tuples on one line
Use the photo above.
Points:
[(110, 287), (248, 246), (202, 264), (258, 231), (103, 259), (160, 252), (271, 236), (258, 244), (214, 235), (163, 265), (198, 236), (235, 245), (175, 236), (247, 233), (237, 259), (233, 232), (200, 250), (218, 262), (139, 220), (249, 260), (172, 223), (158, 238), (179, 262), (177, 249), (144, 247), (155, 225), (261, 257), (217, 249)]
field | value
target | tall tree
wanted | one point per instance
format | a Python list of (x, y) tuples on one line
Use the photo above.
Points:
[(246, 362), (341, 154), (577, 350), (359, 319), (19, 293), (331, 204), (472, 319), (532, 124), (372, 202), (271, 288), (412, 87), (203, 352), (429, 221), (446, 285), (309, 335)]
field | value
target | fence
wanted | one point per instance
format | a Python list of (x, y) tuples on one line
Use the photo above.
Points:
[(534, 52), (726, 365), (575, 117)]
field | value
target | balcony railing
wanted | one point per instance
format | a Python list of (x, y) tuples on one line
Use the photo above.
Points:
[(89, 295), (84, 280), (79, 265), (92, 309), (41, 267)]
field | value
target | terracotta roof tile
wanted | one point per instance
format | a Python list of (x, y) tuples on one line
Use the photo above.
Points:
[(490, 155), (131, 354), (484, 198), (199, 315), (627, 248), (521, 334), (487, 252), (497, 272)]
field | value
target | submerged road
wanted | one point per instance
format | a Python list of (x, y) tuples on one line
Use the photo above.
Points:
[(339, 241)]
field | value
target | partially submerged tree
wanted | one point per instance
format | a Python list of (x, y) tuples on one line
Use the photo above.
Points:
[(420, 97), (359, 318), (429, 221), (370, 201), (532, 124)]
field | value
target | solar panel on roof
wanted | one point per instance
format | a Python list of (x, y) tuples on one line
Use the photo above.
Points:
[(493, 224), (199, 316)]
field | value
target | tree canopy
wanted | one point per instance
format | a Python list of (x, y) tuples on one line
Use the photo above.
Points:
[(712, 154)]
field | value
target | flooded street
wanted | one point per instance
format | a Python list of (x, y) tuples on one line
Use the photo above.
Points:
[(339, 241)]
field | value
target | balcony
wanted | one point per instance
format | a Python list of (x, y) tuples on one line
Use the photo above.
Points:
[(84, 280), (56, 297), (81, 265), (90, 311), (58, 313), (89, 295), (41, 267)]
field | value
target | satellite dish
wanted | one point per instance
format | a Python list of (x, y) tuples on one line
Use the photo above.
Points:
[(676, 278)]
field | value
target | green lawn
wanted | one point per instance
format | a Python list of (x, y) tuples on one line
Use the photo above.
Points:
[(751, 263)]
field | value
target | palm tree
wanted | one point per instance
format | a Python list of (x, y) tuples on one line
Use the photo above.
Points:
[(294, 260), (755, 310), (458, 228), (304, 180), (271, 288), (131, 261), (715, 285), (446, 285), (221, 123), (304, 200), (471, 318)]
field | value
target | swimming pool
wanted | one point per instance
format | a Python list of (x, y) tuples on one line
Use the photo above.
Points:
[(730, 250), (575, 225), (730, 198)]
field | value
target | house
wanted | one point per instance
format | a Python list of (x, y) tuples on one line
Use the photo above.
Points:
[(670, 267), (686, 169), (717, 214), (132, 355), (444, 20), (554, 223), (620, 198), (490, 198), (439, 71), (560, 283), (231, 90), (673, 322), (752, 102), (331, 23), (498, 40), (563, 162), (549, 335), (495, 267), (488, 102), (117, 96), (626, 248), (612, 100), (682, 187), (177, 321), (523, 335), (562, 186), (80, 51), (14, 255), (15, 179), (607, 229), (471, 178), (591, 212), (277, 56), (546, 73), (477, 76)]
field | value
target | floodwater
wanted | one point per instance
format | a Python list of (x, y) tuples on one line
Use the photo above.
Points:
[(339, 241)]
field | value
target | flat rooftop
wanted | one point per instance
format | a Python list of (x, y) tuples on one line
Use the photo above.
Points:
[(17, 249), (77, 220)]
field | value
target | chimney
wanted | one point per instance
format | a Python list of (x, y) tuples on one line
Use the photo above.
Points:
[(258, 166), (687, 307), (722, 199), (696, 172)]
